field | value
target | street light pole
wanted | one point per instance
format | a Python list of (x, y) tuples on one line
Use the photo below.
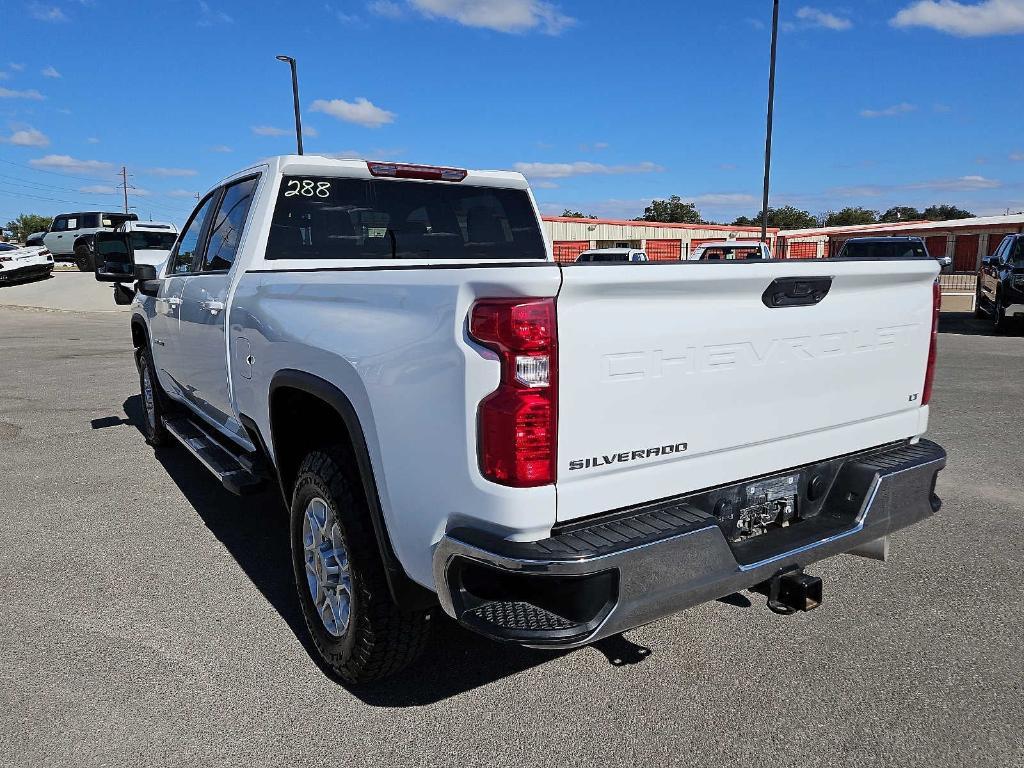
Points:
[(768, 134), (295, 97)]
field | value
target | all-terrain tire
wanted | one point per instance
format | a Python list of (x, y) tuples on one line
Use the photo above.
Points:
[(154, 402), (84, 258), (380, 638)]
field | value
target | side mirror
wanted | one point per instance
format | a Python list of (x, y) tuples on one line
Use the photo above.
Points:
[(986, 261), (114, 261)]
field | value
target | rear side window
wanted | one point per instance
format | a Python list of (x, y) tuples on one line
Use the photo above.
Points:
[(228, 225), (338, 218), (90, 220)]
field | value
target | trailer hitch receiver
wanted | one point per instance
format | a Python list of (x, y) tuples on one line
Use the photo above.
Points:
[(791, 590)]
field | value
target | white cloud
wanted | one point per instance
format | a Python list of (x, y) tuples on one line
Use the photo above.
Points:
[(108, 189), (269, 130), (27, 137), (32, 94), (309, 130), (961, 184), (92, 140), (544, 185), (893, 111), (386, 8), (3, 75), (16, 67), (181, 193), (46, 12), (361, 111), (819, 18), (69, 164), (171, 172), (723, 198), (221, 148), (208, 16), (50, 72), (499, 15), (991, 17), (1017, 157), (581, 168)]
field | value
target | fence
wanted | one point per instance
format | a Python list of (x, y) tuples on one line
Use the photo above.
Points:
[(959, 282)]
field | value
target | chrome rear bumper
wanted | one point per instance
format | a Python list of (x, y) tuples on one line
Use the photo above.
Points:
[(624, 570)]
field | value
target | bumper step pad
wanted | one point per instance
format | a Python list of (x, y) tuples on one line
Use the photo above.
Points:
[(619, 570)]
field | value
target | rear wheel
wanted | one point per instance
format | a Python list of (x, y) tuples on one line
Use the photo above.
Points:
[(84, 259), (356, 627)]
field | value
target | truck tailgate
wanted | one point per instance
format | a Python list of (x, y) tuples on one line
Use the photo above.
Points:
[(678, 377)]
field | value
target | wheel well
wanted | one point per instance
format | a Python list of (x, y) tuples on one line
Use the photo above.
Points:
[(139, 340), (301, 422)]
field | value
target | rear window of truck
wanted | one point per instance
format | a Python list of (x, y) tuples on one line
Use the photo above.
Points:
[(339, 218), (891, 250)]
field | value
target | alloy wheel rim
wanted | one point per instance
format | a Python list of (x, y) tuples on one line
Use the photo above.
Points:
[(328, 571), (147, 398)]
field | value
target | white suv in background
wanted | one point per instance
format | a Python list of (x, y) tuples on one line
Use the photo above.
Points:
[(70, 235)]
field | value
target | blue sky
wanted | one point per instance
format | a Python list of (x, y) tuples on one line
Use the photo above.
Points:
[(605, 105)]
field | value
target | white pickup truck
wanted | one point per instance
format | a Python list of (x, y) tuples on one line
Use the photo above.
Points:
[(550, 453)]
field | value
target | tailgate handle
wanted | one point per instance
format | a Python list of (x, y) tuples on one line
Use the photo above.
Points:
[(796, 291)]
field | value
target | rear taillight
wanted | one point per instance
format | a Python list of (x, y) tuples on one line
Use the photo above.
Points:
[(518, 421), (929, 374)]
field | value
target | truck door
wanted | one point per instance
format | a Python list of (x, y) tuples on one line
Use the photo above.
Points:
[(60, 239), (203, 359), (184, 260)]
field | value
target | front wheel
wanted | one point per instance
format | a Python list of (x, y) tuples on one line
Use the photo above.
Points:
[(999, 316), (152, 402), (358, 630)]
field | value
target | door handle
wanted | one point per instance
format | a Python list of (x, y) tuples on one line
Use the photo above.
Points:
[(212, 305), (173, 301)]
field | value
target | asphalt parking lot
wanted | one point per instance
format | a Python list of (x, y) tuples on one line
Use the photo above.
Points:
[(148, 616)]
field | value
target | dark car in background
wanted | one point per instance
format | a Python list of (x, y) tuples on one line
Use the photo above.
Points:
[(889, 248), (1000, 293)]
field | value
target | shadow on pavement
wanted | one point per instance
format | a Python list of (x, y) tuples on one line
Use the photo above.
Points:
[(254, 530), (965, 324)]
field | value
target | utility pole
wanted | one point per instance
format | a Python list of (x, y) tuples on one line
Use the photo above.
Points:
[(124, 186), (768, 133)]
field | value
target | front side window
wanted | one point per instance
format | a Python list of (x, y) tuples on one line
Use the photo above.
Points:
[(339, 218), (187, 257), (60, 224), (1015, 254), (228, 225)]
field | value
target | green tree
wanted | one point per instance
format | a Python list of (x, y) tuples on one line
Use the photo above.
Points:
[(27, 223), (671, 211), (850, 216), (945, 213), (576, 215), (786, 217), (900, 213)]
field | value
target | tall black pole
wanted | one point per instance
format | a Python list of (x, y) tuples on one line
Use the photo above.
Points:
[(295, 98), (768, 133)]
